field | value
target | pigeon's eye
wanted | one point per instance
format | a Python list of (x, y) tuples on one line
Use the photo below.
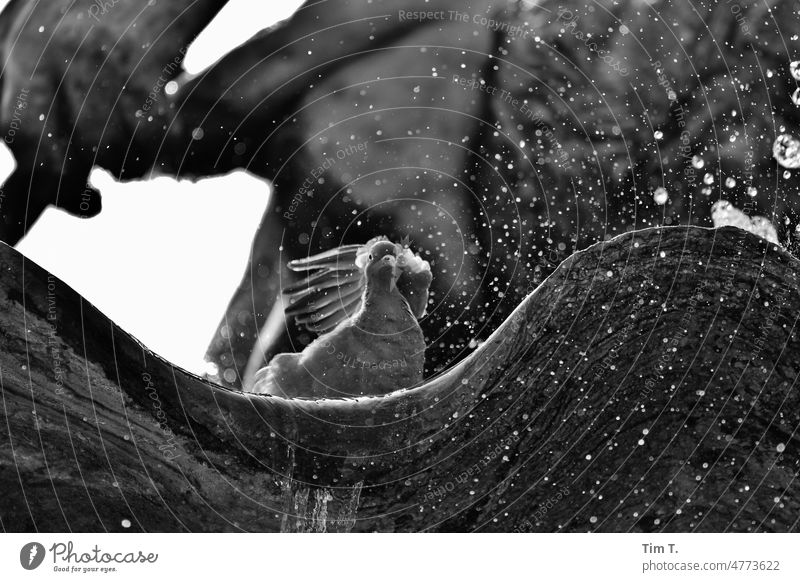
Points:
[(370, 257)]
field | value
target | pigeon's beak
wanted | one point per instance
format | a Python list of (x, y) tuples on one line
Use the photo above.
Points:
[(391, 261)]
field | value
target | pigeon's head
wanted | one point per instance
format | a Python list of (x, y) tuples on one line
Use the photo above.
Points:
[(382, 262)]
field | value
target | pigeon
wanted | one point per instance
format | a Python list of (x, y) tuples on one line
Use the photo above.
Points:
[(366, 301)]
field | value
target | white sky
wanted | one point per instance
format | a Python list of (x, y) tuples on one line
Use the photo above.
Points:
[(163, 276)]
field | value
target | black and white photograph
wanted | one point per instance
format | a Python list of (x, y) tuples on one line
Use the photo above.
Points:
[(523, 269)]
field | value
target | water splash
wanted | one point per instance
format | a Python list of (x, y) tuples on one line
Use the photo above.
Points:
[(786, 150), (796, 97), (794, 69), (723, 213)]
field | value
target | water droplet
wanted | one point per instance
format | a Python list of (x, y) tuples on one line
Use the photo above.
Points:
[(730, 183), (126, 523), (708, 179), (780, 448), (698, 162), (752, 191), (660, 196), (794, 69), (658, 134), (786, 151)]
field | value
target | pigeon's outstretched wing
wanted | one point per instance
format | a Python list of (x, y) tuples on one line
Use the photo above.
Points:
[(333, 289)]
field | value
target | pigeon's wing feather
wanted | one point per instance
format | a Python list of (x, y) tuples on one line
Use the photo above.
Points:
[(314, 299), (334, 304), (322, 281), (328, 323), (333, 289), (330, 258)]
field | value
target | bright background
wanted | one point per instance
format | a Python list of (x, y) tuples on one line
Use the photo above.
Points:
[(164, 277)]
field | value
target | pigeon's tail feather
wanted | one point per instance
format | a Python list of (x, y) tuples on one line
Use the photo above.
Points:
[(262, 381), (282, 377)]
